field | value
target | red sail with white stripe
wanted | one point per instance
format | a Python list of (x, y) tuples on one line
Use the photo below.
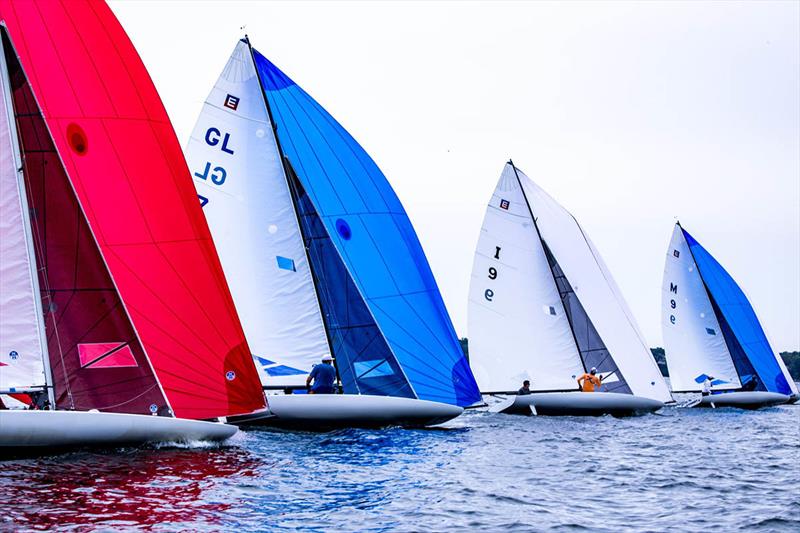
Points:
[(136, 219)]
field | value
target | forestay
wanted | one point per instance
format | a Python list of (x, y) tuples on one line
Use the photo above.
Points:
[(692, 335), (21, 351), (239, 176), (518, 327), (374, 239), (598, 294)]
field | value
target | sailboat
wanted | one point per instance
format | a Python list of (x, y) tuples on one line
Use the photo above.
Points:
[(321, 259), (712, 333), (543, 307), (116, 324)]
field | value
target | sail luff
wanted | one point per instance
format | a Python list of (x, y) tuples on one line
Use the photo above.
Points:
[(15, 174), (286, 173)]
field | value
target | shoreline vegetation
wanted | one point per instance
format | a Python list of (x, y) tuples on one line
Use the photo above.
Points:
[(790, 359)]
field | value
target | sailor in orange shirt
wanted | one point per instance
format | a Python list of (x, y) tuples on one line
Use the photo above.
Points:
[(590, 381)]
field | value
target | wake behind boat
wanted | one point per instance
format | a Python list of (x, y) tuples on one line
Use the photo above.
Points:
[(321, 259), (544, 308), (100, 332), (712, 336)]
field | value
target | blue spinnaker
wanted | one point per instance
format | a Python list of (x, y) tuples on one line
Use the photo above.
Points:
[(369, 228), (739, 319)]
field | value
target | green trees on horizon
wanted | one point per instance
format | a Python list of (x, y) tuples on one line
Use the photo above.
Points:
[(790, 359)]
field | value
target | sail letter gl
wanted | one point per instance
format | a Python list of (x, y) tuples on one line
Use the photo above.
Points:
[(212, 139)]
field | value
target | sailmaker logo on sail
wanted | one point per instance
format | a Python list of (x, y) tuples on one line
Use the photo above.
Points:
[(231, 102)]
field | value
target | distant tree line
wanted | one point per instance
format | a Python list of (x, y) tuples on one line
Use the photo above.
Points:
[(790, 359)]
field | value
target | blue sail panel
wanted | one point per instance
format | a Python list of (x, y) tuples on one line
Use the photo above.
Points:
[(364, 362), (372, 234), (740, 320)]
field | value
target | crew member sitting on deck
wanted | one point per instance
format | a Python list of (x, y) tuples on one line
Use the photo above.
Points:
[(589, 381), (324, 376), (526, 388)]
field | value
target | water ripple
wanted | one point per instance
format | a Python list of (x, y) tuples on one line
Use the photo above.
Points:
[(683, 469)]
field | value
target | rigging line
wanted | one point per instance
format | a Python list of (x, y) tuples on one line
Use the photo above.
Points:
[(291, 141), (43, 270), (157, 297), (549, 266)]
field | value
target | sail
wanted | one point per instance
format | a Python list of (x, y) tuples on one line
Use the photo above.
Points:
[(21, 351), (593, 351), (239, 176), (518, 327), (694, 341), (123, 163), (374, 238), (364, 361), (740, 325), (595, 289)]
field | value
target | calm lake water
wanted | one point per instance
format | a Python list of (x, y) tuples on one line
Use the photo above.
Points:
[(683, 469)]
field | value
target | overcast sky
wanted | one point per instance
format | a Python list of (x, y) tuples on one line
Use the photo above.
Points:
[(630, 114)]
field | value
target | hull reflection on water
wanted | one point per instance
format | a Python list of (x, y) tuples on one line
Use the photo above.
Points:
[(119, 489)]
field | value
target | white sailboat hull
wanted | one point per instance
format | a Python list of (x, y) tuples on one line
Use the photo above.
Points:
[(330, 411), (580, 404), (25, 430), (744, 399)]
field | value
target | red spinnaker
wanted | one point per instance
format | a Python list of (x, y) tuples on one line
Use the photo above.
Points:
[(122, 159)]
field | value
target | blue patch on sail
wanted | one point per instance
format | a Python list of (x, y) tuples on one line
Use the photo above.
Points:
[(379, 250), (282, 370), (373, 369), (737, 315), (286, 264), (264, 361)]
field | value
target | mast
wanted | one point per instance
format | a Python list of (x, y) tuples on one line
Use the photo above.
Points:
[(549, 268), (287, 168), (15, 152)]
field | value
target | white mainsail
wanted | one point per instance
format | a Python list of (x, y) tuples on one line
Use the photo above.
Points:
[(692, 336), (240, 178), (598, 293), (21, 348), (518, 328)]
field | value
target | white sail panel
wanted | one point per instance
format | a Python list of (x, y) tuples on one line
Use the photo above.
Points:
[(21, 352), (239, 176), (598, 293), (518, 328), (693, 339)]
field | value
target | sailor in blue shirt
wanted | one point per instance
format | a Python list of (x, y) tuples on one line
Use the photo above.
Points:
[(324, 376)]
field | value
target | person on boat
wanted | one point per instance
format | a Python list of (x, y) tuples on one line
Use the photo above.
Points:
[(751, 385), (525, 389), (323, 376), (707, 383), (587, 382)]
